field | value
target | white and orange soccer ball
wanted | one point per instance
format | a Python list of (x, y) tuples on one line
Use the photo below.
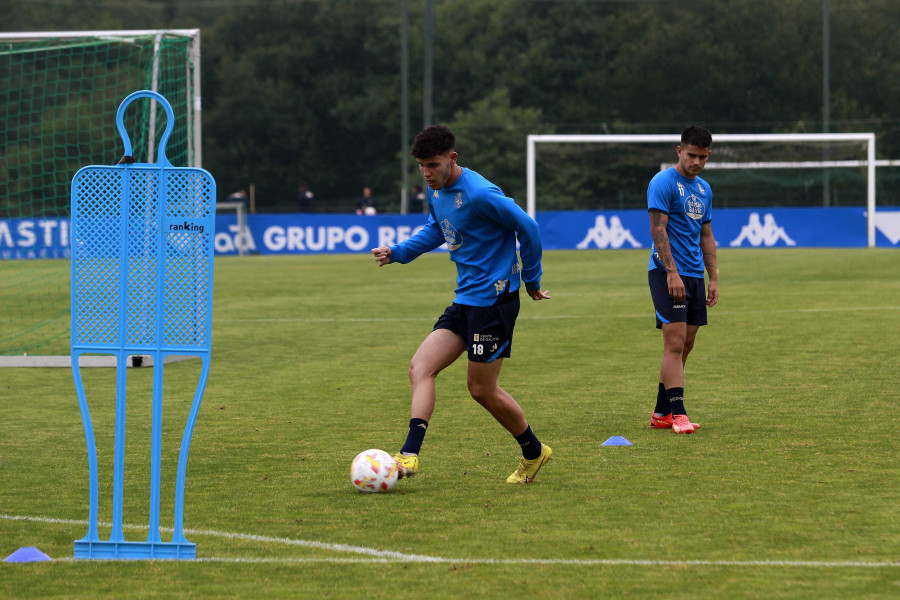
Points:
[(374, 471)]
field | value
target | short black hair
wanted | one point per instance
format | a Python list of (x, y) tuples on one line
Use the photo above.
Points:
[(432, 141), (695, 135)]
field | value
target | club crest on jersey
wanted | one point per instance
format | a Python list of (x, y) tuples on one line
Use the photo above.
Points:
[(451, 235), (458, 199), (501, 285), (693, 207)]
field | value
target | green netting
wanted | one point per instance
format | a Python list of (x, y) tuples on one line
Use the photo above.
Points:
[(58, 104)]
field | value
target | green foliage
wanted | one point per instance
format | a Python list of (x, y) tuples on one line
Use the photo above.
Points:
[(488, 131), (793, 381), (301, 90)]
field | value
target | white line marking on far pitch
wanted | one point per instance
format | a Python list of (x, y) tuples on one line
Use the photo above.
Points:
[(546, 317), (388, 556)]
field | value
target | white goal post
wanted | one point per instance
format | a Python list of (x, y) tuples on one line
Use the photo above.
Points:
[(241, 212), (868, 138)]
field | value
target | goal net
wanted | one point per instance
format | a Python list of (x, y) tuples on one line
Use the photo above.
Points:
[(58, 104), (611, 172)]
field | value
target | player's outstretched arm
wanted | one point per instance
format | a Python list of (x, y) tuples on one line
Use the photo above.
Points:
[(382, 255)]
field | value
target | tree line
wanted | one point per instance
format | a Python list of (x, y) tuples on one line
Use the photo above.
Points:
[(309, 91)]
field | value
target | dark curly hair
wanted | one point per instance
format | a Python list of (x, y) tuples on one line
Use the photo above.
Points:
[(696, 136), (432, 141)]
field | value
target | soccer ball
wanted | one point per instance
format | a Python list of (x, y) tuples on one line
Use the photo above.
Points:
[(374, 471)]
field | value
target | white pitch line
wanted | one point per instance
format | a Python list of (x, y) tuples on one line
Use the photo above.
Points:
[(388, 556), (383, 554), (250, 538)]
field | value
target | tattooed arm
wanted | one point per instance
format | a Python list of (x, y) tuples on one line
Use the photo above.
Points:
[(658, 222)]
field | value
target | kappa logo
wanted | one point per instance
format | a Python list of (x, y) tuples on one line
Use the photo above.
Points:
[(458, 199), (888, 223), (613, 235), (766, 233)]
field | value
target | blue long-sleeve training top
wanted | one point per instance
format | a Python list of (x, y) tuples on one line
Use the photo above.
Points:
[(480, 226)]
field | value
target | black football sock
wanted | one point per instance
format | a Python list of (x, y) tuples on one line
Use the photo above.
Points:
[(415, 437), (662, 401), (676, 400), (531, 447)]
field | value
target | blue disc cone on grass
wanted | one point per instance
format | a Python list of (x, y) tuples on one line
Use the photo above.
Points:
[(616, 440), (28, 554)]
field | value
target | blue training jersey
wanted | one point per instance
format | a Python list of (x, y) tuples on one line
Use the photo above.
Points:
[(480, 226), (688, 202)]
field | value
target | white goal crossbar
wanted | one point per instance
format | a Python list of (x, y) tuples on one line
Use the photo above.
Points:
[(870, 163)]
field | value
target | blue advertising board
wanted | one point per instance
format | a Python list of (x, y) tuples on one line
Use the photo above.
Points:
[(312, 233), (836, 227), (564, 230), (784, 227), (34, 238)]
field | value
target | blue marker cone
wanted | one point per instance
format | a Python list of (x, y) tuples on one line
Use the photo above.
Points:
[(29, 554), (616, 440)]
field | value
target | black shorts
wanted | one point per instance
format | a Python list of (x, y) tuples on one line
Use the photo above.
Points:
[(692, 311), (487, 330)]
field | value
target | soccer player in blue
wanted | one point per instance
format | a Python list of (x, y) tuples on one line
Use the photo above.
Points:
[(680, 206), (480, 226)]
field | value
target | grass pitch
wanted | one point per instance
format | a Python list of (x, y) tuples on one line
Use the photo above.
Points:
[(789, 490)]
